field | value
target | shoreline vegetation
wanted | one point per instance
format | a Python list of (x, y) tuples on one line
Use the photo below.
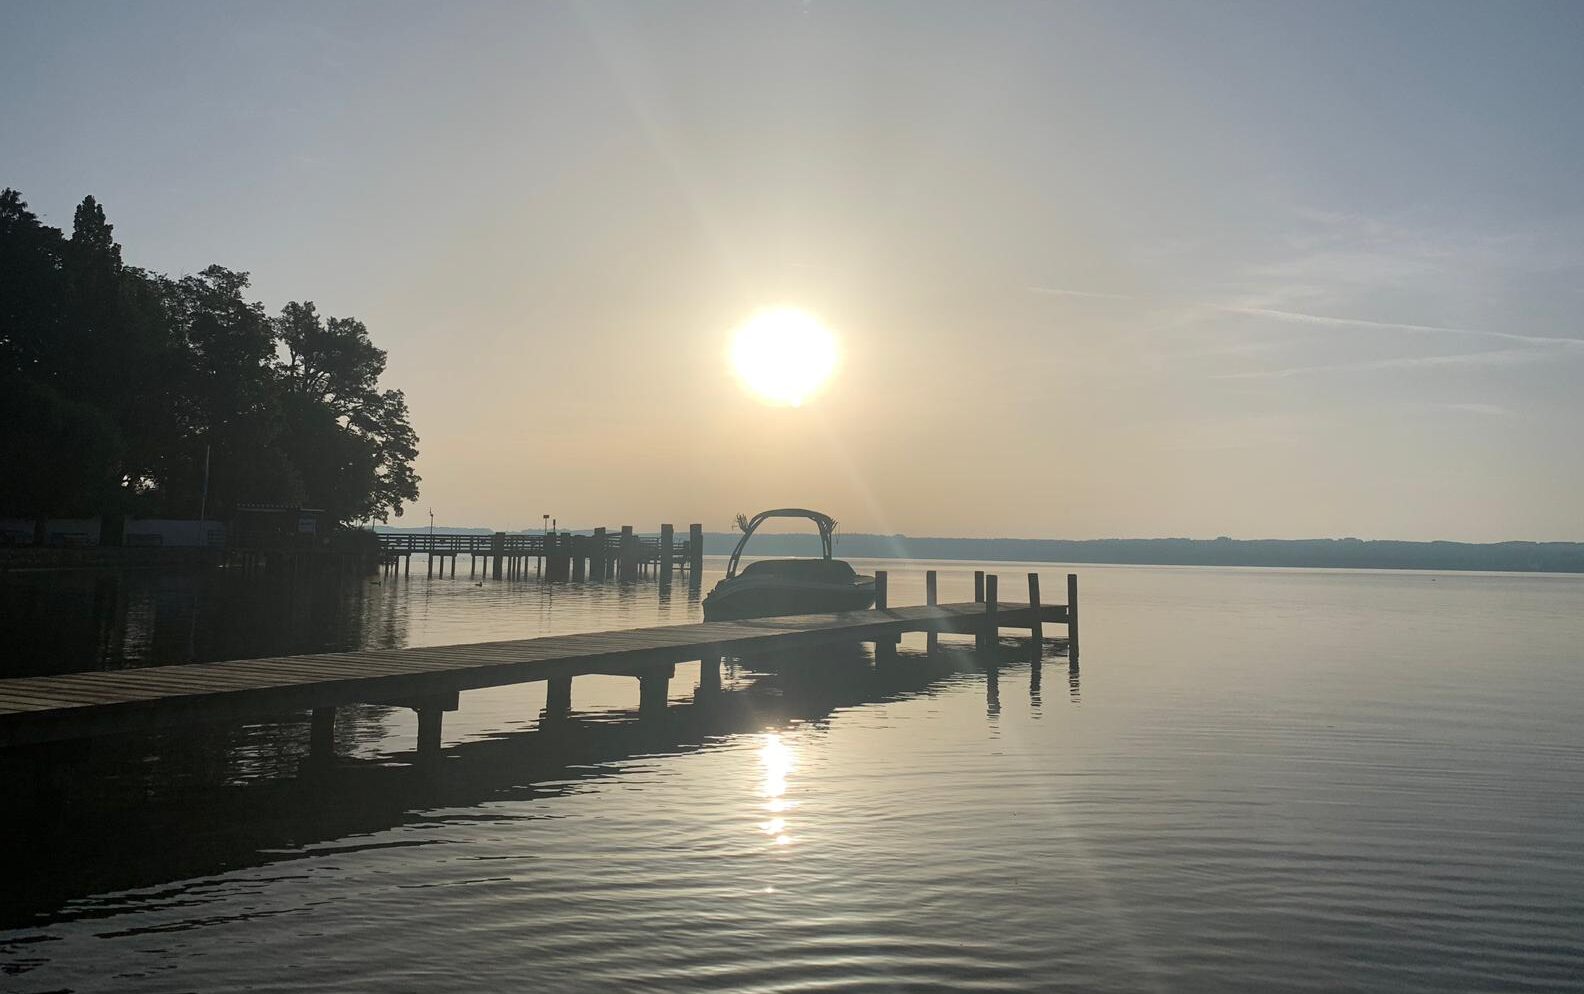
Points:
[(1305, 553), (126, 393)]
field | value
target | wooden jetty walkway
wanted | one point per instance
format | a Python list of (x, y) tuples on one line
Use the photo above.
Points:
[(604, 554), (428, 679)]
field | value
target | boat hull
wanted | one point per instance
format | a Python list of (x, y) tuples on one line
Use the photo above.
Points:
[(742, 597)]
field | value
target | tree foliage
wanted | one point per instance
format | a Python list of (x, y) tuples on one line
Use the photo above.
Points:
[(115, 380)]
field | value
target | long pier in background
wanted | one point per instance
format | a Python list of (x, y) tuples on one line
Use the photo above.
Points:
[(429, 679), (603, 555)]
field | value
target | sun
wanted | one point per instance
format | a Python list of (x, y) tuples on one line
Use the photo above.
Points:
[(783, 355)]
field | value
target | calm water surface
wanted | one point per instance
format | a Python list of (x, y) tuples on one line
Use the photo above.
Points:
[(1259, 780)]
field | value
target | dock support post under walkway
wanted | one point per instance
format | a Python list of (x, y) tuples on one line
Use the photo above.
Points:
[(558, 697), (653, 688)]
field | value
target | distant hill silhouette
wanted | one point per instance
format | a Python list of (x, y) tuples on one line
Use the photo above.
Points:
[(1314, 553)]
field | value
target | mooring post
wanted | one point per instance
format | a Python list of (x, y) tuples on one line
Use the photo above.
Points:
[(709, 674), (579, 552), (1072, 616), (596, 566), (628, 554), (653, 686), (885, 642), (558, 697), (978, 586), (321, 735), (498, 551), (1036, 623), (667, 552), (429, 718), (931, 598), (696, 548), (990, 634)]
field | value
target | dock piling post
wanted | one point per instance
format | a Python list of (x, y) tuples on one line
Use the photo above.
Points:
[(931, 598), (979, 586), (628, 554), (885, 643), (1072, 616), (429, 718), (558, 697), (498, 551), (653, 687), (990, 634), (696, 548), (710, 673), (667, 552), (1036, 623), (597, 555)]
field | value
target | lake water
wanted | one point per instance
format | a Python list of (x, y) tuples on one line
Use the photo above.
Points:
[(1258, 780)]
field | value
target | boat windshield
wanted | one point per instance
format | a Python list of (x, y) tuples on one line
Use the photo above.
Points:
[(825, 523), (800, 569)]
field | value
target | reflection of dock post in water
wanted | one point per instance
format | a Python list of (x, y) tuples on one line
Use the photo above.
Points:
[(321, 736)]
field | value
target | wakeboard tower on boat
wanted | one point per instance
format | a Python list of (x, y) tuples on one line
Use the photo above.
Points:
[(773, 587)]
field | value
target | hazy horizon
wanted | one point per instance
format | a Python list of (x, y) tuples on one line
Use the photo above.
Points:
[(1094, 270)]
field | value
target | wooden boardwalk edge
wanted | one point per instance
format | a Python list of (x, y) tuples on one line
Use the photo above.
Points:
[(35, 709)]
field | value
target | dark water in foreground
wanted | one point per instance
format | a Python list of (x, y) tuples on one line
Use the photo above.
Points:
[(1260, 780)]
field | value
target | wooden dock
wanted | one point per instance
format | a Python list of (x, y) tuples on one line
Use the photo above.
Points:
[(428, 679), (602, 555)]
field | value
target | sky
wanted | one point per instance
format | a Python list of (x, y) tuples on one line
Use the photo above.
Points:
[(1095, 269)]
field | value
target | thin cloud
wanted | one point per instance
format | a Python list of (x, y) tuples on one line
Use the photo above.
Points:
[(1495, 357), (1062, 292), (1487, 410), (1418, 329)]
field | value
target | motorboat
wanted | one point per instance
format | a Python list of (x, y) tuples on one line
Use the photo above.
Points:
[(771, 587)]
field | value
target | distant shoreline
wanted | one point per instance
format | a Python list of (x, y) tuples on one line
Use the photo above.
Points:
[(1326, 553)]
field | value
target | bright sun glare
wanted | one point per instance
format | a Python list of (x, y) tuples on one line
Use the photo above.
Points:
[(784, 355)]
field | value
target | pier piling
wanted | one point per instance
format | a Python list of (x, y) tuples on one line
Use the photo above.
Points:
[(1036, 625), (558, 697), (1072, 617)]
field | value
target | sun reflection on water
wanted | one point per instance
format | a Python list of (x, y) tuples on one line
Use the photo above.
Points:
[(777, 759)]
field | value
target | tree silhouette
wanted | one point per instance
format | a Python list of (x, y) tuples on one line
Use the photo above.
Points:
[(114, 381)]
